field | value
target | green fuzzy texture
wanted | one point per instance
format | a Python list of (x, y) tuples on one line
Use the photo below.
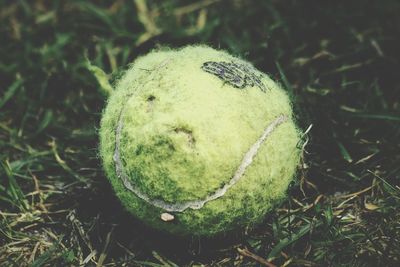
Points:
[(186, 131)]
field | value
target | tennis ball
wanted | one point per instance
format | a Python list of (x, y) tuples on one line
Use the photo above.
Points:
[(196, 141)]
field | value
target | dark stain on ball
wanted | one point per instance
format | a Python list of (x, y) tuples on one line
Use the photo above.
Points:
[(188, 133), (236, 74)]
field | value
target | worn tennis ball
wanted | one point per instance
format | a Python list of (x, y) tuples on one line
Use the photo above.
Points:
[(196, 141)]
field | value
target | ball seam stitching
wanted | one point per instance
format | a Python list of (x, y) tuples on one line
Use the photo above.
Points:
[(192, 204)]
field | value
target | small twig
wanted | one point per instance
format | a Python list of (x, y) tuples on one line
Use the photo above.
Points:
[(40, 193), (305, 207), (164, 261), (103, 254), (64, 164), (357, 193), (33, 254), (245, 252), (126, 250), (89, 257), (146, 18)]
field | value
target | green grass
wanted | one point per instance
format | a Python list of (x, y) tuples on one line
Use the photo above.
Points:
[(339, 61)]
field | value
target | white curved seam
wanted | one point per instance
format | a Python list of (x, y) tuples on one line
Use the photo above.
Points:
[(192, 204)]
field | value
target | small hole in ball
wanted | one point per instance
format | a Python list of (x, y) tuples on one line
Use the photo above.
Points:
[(150, 103), (151, 98)]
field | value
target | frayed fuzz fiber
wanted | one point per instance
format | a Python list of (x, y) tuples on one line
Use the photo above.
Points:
[(200, 137)]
